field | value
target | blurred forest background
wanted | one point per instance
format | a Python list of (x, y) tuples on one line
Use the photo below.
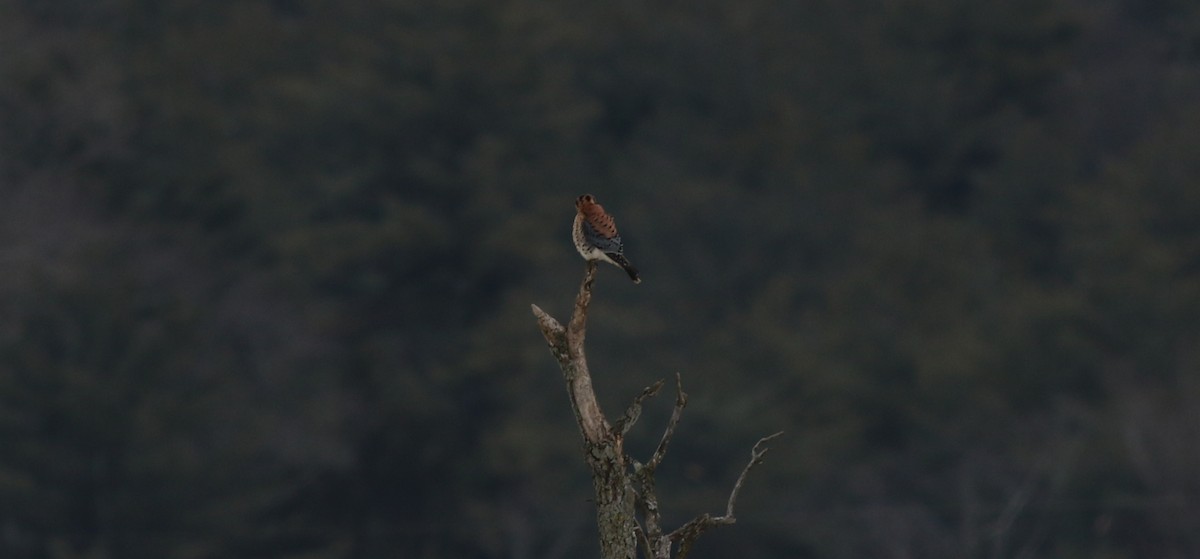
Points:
[(267, 268)]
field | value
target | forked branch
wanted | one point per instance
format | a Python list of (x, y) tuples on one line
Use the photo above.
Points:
[(602, 447), (621, 494), (686, 535), (658, 545), (566, 344)]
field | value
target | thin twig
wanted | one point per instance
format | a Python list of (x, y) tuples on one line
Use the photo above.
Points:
[(634, 411), (681, 399), (644, 540), (756, 455)]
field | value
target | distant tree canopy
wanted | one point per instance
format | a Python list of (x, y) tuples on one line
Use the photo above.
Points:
[(267, 267)]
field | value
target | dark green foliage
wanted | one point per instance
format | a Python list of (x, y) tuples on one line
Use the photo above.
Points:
[(265, 270)]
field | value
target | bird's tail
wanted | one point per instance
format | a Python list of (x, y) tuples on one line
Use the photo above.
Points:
[(625, 265)]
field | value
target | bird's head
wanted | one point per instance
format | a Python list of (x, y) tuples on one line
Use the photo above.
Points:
[(586, 199)]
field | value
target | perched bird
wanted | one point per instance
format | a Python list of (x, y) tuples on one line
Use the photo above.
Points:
[(596, 238)]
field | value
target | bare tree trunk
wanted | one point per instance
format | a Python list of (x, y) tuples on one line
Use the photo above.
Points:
[(616, 498), (604, 450)]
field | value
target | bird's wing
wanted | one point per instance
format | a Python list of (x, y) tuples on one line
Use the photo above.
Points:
[(598, 239)]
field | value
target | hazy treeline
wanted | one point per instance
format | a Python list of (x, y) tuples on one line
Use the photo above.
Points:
[(266, 267)]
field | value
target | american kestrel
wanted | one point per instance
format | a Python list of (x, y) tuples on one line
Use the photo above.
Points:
[(596, 238)]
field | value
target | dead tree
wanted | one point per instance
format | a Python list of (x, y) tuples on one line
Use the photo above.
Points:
[(627, 506)]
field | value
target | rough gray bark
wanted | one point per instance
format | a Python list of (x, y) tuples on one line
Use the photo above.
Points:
[(617, 498), (602, 445)]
